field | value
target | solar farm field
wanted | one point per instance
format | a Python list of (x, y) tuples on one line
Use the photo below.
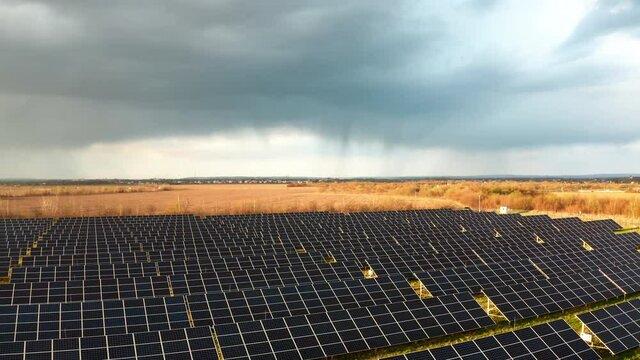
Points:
[(414, 284)]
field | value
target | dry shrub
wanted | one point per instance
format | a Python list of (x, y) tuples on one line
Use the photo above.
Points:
[(565, 197)]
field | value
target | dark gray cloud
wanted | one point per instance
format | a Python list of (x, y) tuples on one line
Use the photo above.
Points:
[(97, 71)]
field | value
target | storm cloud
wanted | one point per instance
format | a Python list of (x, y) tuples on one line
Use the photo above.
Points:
[(461, 76)]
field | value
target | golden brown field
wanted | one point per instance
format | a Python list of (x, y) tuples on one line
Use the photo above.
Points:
[(11, 191), (590, 200), (200, 199)]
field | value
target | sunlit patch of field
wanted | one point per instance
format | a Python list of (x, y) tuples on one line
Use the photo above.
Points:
[(621, 206), (605, 194), (589, 200), (210, 199)]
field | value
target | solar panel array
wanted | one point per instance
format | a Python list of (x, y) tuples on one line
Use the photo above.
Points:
[(341, 332), (297, 285), (555, 340), (189, 343), (537, 298), (617, 326), (475, 278)]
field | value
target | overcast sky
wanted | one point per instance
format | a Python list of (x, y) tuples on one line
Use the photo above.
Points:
[(94, 88)]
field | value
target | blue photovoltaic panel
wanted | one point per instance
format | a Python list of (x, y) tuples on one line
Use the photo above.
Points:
[(617, 326), (295, 285), (555, 340)]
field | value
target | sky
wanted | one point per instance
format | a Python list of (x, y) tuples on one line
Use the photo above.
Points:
[(327, 88)]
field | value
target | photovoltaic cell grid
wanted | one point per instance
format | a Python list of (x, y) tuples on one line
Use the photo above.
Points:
[(114, 279), (364, 228), (224, 280), (139, 287), (192, 343), (626, 276), (555, 340), (617, 326), (5, 263), (341, 332), (89, 290), (522, 301), (69, 320), (82, 319), (147, 264), (315, 298), (423, 262), (564, 264), (206, 262), (475, 278)]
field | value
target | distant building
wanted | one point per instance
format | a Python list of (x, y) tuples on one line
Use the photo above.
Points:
[(504, 210)]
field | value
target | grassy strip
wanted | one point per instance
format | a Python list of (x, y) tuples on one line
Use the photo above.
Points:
[(499, 328)]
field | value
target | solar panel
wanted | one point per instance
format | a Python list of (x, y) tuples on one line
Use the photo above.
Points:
[(407, 265), (570, 263), (607, 224), (475, 278), (60, 320), (193, 343), (130, 286), (555, 340), (234, 279), (522, 301), (5, 263), (626, 276), (340, 332), (617, 326), (54, 321)]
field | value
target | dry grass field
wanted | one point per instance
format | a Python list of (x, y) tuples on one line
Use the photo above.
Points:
[(589, 200), (28, 201), (14, 191)]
